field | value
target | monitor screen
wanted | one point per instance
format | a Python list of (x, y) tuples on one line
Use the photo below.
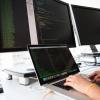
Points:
[(88, 24), (53, 23), (14, 28)]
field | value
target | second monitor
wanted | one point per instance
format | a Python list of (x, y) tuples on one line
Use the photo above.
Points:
[(53, 23), (88, 25)]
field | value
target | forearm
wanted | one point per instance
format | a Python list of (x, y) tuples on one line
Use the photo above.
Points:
[(94, 92)]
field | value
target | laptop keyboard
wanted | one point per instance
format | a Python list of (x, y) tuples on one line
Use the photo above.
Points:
[(61, 85)]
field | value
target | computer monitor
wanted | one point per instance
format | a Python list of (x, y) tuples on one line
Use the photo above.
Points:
[(53, 22), (14, 28), (14, 35), (88, 25)]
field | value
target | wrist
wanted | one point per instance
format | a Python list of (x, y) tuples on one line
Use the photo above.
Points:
[(89, 88)]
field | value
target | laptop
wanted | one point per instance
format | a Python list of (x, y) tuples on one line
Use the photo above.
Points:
[(53, 63)]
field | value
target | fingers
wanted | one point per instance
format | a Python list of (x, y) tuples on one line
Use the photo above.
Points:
[(70, 80), (92, 75), (96, 79), (67, 84), (77, 82)]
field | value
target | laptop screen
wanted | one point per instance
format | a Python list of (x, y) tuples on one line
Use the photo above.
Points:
[(52, 62)]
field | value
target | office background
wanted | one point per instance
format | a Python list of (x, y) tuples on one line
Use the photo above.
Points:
[(24, 57), (5, 62), (4, 56)]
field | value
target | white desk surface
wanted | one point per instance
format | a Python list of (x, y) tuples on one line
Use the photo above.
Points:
[(14, 91), (21, 69)]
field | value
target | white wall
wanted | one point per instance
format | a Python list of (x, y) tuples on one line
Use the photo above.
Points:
[(95, 3), (90, 3), (78, 2)]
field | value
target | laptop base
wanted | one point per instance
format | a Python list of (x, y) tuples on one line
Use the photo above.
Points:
[(73, 94)]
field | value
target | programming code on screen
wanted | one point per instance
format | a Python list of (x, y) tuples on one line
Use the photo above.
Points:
[(53, 22), (14, 29), (51, 63)]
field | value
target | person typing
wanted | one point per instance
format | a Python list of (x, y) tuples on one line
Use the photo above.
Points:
[(85, 86)]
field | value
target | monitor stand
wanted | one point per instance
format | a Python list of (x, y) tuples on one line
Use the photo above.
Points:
[(94, 49), (95, 53), (1, 88), (21, 66)]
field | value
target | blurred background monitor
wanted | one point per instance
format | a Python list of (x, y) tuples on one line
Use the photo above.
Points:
[(88, 25), (14, 35), (14, 28), (53, 22)]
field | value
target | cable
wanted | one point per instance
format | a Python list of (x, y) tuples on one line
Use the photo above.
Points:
[(49, 92)]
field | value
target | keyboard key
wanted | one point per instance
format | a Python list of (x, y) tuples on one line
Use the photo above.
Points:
[(61, 85)]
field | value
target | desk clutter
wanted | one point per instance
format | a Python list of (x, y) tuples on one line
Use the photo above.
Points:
[(1, 88), (91, 58)]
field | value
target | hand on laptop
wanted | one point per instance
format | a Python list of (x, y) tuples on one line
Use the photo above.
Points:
[(95, 77), (77, 82), (85, 86)]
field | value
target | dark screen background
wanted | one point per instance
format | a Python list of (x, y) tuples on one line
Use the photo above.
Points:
[(88, 24), (52, 61), (14, 29), (53, 23)]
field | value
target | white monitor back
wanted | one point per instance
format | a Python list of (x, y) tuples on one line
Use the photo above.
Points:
[(32, 24)]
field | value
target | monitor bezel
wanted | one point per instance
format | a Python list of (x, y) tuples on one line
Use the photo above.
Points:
[(13, 50)]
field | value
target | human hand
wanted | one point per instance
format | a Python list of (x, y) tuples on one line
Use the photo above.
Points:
[(95, 77), (77, 82)]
